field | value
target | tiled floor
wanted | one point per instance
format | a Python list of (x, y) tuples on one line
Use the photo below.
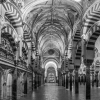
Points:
[(54, 92)]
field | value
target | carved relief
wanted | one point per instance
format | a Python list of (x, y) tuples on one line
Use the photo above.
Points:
[(6, 50)]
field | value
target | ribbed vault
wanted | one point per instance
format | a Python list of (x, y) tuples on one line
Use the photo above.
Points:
[(51, 23)]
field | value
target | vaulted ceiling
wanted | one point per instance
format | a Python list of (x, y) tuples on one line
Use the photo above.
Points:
[(51, 22)]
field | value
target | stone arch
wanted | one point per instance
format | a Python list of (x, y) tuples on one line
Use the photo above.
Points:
[(17, 22), (26, 34), (91, 16), (93, 34), (10, 33), (89, 40), (49, 64), (52, 59), (51, 74), (77, 61), (11, 12), (77, 46)]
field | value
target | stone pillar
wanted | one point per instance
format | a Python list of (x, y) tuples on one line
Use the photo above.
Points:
[(70, 81), (66, 80), (35, 81), (80, 79), (39, 80), (0, 85), (83, 79), (97, 79), (92, 79), (25, 84), (58, 78), (43, 79), (14, 85), (76, 81), (62, 80), (32, 82), (88, 84)]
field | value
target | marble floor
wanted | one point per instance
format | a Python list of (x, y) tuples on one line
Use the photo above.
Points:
[(54, 92)]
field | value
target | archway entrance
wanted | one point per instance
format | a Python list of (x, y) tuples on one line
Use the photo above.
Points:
[(51, 73)]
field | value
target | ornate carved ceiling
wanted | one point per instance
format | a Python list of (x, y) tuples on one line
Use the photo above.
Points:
[(51, 21)]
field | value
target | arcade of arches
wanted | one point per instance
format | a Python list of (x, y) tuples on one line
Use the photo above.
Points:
[(48, 41)]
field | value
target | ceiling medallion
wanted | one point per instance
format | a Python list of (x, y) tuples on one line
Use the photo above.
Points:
[(51, 52)]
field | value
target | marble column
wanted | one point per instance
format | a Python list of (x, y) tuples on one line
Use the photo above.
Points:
[(66, 80), (84, 79), (0, 85), (70, 81), (88, 83), (14, 85), (32, 82), (62, 80), (80, 79), (76, 81), (38, 80), (58, 78), (97, 79), (25, 85), (92, 79), (35, 81)]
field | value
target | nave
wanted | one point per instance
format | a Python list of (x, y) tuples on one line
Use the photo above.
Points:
[(49, 41), (51, 91)]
